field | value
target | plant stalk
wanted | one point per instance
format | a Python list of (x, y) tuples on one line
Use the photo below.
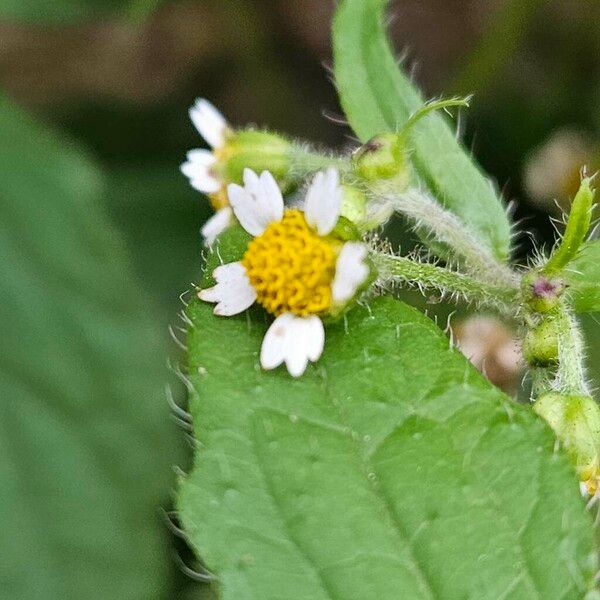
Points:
[(423, 274), (447, 228)]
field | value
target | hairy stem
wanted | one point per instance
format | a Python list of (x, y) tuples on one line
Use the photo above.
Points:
[(398, 268), (304, 161), (447, 228), (570, 374), (541, 381)]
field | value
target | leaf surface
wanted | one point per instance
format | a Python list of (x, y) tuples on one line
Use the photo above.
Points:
[(389, 469), (583, 278)]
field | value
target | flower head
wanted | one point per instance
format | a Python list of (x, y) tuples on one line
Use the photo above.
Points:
[(210, 171), (295, 267), (200, 167)]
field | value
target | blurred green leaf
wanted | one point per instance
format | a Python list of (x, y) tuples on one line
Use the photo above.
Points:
[(58, 11), (87, 441), (159, 215), (377, 96), (583, 278), (391, 469)]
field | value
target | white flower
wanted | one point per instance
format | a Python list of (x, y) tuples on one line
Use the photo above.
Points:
[(216, 225), (295, 268), (200, 167)]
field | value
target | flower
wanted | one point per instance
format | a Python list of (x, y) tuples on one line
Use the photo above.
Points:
[(201, 166), (232, 150), (295, 267)]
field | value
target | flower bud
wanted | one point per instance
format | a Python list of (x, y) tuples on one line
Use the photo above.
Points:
[(540, 346), (542, 293), (382, 157), (255, 150), (354, 204), (576, 423)]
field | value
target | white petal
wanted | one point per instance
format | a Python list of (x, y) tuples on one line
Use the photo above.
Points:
[(232, 293), (316, 339), (351, 271), (323, 201), (198, 170), (209, 122), (258, 203), (293, 340), (216, 225)]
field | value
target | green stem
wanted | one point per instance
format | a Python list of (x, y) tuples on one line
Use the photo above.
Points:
[(428, 108), (541, 381), (447, 228), (399, 268), (304, 161), (570, 374)]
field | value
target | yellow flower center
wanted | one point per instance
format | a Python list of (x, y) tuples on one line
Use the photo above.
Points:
[(291, 267)]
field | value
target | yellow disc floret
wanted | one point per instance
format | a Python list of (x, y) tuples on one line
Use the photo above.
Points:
[(291, 267)]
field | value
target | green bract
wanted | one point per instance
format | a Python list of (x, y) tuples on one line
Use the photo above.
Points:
[(578, 224), (378, 97)]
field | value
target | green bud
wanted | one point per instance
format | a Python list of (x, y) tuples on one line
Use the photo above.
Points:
[(385, 156), (354, 204), (382, 157), (345, 230), (540, 346), (542, 293), (576, 423), (256, 150)]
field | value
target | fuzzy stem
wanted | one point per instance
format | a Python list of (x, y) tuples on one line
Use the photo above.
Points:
[(447, 228), (570, 374), (541, 382), (399, 268), (303, 161)]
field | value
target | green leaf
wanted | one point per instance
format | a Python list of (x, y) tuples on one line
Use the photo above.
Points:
[(390, 469), (377, 96), (583, 278), (87, 445), (158, 212), (59, 11)]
